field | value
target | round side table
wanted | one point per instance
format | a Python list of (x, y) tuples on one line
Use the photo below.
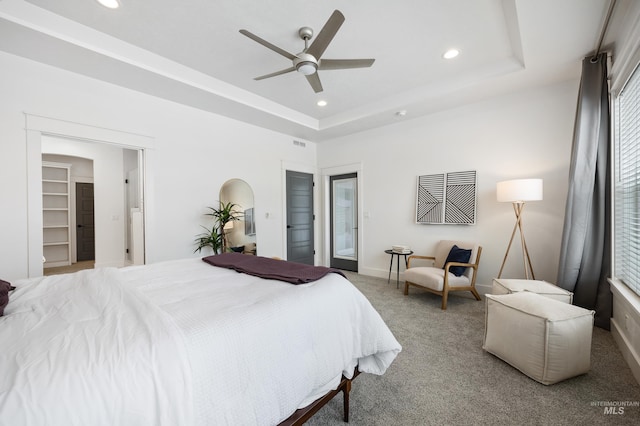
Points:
[(395, 253)]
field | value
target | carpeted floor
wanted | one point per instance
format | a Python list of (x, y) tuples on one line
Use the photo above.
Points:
[(443, 377)]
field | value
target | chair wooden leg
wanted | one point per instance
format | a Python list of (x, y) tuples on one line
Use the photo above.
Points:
[(406, 288), (445, 295), (475, 293)]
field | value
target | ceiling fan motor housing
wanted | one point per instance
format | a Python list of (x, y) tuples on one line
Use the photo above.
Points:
[(305, 64)]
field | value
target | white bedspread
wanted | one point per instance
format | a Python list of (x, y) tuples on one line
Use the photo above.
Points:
[(81, 349), (242, 350)]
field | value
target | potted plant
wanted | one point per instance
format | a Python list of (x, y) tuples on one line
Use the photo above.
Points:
[(215, 237)]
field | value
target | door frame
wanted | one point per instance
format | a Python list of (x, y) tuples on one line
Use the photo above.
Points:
[(326, 174), (37, 126)]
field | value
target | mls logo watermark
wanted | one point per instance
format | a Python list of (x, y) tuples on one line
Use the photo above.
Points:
[(615, 407), (613, 410)]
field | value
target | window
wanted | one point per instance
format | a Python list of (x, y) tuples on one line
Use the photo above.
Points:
[(627, 184)]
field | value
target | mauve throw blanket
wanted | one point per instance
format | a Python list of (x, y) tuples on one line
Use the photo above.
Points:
[(271, 269)]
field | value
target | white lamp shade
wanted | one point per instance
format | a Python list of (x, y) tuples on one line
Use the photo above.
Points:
[(519, 190)]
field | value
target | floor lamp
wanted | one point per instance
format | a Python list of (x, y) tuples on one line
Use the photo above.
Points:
[(517, 192)]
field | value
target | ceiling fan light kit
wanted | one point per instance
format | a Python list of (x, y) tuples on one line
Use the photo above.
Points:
[(309, 61), (111, 4), (305, 64)]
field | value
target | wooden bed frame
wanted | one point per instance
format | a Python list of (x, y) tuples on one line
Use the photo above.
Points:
[(301, 415)]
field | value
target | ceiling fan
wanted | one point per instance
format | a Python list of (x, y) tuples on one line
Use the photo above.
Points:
[(309, 62)]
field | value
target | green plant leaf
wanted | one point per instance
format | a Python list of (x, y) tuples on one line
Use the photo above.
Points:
[(214, 237)]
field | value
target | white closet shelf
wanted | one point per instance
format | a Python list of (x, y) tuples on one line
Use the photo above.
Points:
[(56, 208)]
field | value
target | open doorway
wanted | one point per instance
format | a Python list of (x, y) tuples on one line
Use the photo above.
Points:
[(103, 146), (105, 211), (134, 230), (68, 213)]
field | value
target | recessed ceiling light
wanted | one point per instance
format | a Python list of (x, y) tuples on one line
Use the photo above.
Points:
[(111, 4), (451, 53), (321, 103)]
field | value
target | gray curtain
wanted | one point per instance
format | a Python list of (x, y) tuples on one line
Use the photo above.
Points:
[(585, 255)]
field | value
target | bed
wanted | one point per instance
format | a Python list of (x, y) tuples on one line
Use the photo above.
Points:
[(183, 342)]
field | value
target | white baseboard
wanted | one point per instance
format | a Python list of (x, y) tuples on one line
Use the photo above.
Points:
[(111, 264), (378, 273), (56, 264), (484, 288)]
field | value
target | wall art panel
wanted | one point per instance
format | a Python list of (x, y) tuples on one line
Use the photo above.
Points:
[(447, 198)]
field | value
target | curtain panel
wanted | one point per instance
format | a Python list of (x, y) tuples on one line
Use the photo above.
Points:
[(585, 254)]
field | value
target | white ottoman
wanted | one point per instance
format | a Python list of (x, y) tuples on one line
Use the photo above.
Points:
[(543, 288), (545, 339)]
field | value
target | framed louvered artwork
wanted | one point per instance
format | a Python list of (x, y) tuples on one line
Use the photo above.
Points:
[(447, 198)]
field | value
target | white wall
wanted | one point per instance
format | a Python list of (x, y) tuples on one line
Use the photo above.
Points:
[(522, 135), (80, 167), (190, 159)]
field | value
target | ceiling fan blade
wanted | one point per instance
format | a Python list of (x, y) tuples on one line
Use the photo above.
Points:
[(314, 81), (326, 34), (341, 64), (273, 74), (268, 45)]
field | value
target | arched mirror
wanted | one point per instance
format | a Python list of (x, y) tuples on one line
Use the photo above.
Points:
[(241, 236)]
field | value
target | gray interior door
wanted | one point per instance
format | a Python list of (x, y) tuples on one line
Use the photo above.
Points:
[(300, 247), (85, 230), (344, 221)]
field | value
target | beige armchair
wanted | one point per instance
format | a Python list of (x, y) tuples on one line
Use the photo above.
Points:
[(447, 273)]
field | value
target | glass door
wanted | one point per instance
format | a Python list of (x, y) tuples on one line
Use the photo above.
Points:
[(344, 222)]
